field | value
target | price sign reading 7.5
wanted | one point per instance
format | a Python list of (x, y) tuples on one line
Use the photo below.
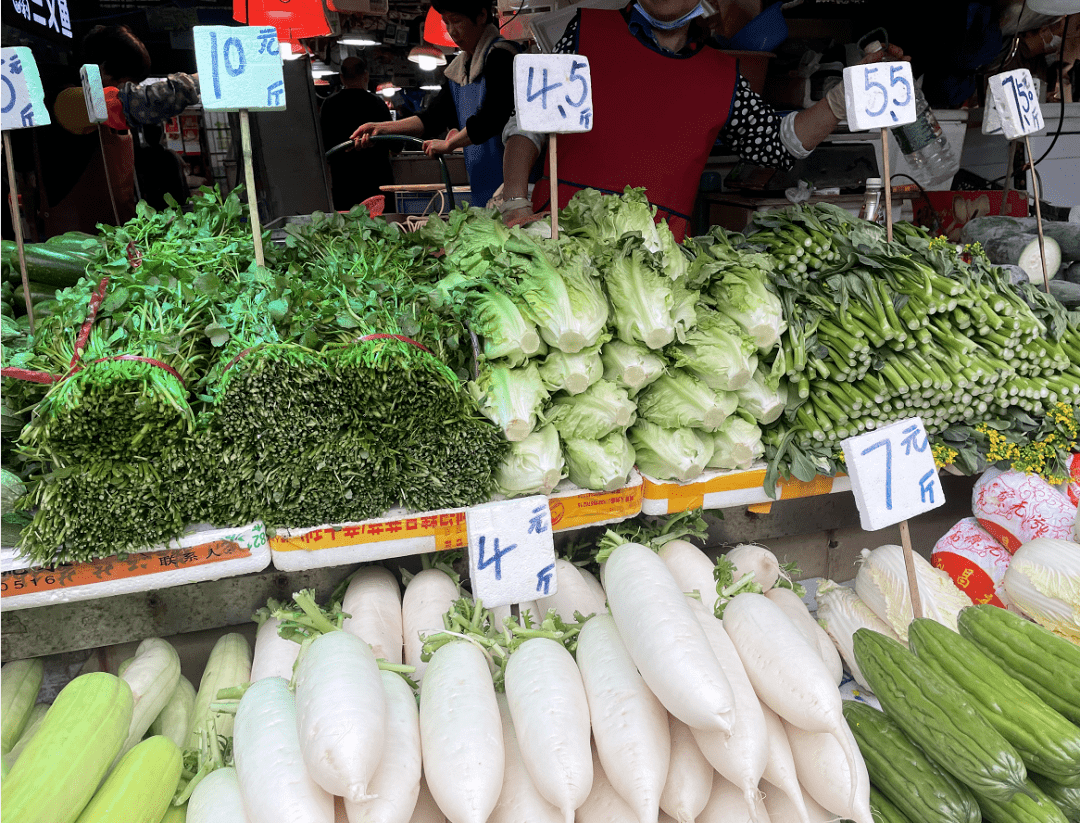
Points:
[(1017, 103), (239, 68), (879, 95), (553, 93)]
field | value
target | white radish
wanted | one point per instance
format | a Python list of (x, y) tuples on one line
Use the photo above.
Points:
[(274, 781), (755, 560), (500, 613), (373, 603), (216, 799), (692, 570), (794, 608), (826, 774), (340, 713), (690, 776), (787, 672), (519, 802), (461, 733), (782, 808), (665, 640), (428, 596), (741, 756), (727, 804), (572, 595), (551, 719), (594, 584), (427, 810), (604, 804), (395, 786), (780, 769), (630, 727), (274, 656)]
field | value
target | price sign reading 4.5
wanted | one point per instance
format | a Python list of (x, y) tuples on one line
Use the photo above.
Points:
[(239, 68), (893, 474), (879, 95), (553, 93), (22, 99), (1017, 103), (511, 551)]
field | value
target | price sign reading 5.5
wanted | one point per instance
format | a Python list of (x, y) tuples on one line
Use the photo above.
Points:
[(22, 100), (553, 93), (1017, 103), (511, 551), (893, 474), (879, 95), (239, 68)]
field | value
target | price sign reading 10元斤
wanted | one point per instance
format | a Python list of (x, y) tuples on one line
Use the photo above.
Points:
[(239, 68), (1017, 103), (553, 93), (893, 474), (511, 551), (22, 99), (879, 95)]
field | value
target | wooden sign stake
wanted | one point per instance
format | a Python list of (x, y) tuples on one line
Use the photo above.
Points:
[(16, 221), (249, 182), (909, 564), (888, 183), (1038, 215), (108, 177), (553, 157)]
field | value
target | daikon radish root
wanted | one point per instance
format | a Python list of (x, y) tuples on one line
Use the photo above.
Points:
[(727, 804), (782, 808), (573, 594), (826, 774), (756, 560), (604, 804), (519, 800), (690, 775), (274, 656), (780, 768), (373, 603), (594, 584), (427, 810), (794, 608), (692, 570), (630, 727), (428, 596), (217, 799), (665, 640)]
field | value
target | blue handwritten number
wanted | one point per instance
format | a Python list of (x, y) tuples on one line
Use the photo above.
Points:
[(888, 468), (895, 76), (496, 559), (872, 85), (542, 92), (580, 79), (9, 91), (237, 70)]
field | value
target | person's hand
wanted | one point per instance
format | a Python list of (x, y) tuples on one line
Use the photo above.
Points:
[(890, 54), (361, 136), (433, 148), (519, 217)]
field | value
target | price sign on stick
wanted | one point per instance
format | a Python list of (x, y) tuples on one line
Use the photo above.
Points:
[(880, 96), (553, 94), (22, 106), (94, 93), (894, 477), (240, 70), (511, 551)]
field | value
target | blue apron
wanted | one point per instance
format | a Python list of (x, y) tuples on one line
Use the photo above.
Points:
[(483, 162)]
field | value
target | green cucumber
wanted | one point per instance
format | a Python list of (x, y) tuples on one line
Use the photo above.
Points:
[(884, 811), (1066, 293), (1066, 797), (54, 266), (939, 718), (1030, 806), (917, 786), (1046, 664), (1048, 743)]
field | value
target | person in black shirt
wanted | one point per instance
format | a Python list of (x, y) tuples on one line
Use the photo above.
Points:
[(354, 175), (159, 170)]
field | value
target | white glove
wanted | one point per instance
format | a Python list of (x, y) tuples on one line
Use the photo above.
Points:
[(835, 98)]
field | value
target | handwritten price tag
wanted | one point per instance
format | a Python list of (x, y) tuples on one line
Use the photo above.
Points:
[(96, 108), (893, 475), (239, 68), (553, 93), (22, 100), (879, 95), (1017, 103), (511, 551)]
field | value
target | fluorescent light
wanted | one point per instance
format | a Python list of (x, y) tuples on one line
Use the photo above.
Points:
[(387, 89), (358, 41), (431, 88)]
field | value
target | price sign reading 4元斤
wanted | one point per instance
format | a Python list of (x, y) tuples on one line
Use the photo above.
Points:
[(553, 93), (893, 474), (511, 551), (22, 99), (239, 68), (879, 95), (1017, 103)]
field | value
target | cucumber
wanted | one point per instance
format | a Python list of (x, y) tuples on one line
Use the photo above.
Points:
[(939, 718), (54, 266), (1030, 806), (1066, 797), (883, 810), (1072, 274), (1047, 742), (908, 778), (1066, 293), (1046, 664)]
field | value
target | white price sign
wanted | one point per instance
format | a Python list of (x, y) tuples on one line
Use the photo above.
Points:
[(239, 68), (893, 475), (1016, 100), (511, 551), (553, 93), (22, 99), (879, 95), (94, 93)]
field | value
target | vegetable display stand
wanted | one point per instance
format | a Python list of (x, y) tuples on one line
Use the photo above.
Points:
[(402, 534), (726, 489), (202, 554)]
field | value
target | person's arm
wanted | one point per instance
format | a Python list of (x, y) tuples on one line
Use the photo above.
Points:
[(493, 115), (410, 125), (157, 102)]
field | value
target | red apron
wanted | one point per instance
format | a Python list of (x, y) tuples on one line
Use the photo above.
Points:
[(655, 120)]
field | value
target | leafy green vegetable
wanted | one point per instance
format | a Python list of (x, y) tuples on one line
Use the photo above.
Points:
[(736, 445), (513, 399), (678, 399), (669, 454), (599, 410), (602, 464), (534, 465), (718, 352)]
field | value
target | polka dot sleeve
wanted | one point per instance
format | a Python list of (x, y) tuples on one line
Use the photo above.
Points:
[(753, 130)]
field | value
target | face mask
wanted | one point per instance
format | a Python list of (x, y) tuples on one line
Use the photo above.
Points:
[(670, 25)]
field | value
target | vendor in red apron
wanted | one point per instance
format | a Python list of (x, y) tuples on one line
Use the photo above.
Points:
[(662, 95), (474, 104)]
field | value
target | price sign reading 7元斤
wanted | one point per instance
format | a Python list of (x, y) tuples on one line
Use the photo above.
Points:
[(22, 99), (1017, 103), (893, 474), (239, 68), (879, 95), (511, 551), (553, 93)]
